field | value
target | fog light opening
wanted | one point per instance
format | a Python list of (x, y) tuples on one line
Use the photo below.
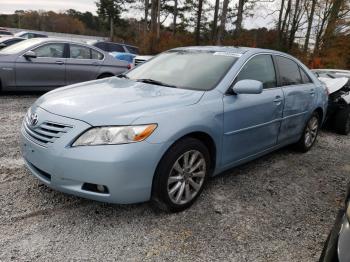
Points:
[(95, 188)]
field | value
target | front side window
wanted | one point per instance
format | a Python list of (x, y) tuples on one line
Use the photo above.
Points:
[(79, 52), (50, 50), (259, 68), (289, 71), (187, 69)]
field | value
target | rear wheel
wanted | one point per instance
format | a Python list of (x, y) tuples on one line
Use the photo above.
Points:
[(310, 133), (342, 121), (181, 175)]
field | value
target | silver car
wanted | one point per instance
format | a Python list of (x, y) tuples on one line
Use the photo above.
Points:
[(41, 64)]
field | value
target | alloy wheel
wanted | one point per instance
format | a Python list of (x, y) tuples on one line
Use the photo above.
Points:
[(186, 177), (311, 131)]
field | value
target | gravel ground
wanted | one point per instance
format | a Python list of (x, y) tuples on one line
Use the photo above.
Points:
[(277, 208)]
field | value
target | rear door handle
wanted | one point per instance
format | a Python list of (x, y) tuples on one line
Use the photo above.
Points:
[(96, 63), (59, 62)]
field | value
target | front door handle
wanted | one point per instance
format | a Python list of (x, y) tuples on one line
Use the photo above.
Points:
[(59, 62), (278, 100), (312, 91)]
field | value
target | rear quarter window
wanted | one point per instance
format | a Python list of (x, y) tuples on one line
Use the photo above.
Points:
[(115, 48)]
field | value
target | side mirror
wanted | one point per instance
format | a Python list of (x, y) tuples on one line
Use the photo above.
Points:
[(30, 54), (2, 45), (248, 87)]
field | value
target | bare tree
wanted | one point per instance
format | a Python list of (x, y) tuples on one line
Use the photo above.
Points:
[(221, 30), (239, 20), (146, 16), (199, 19), (154, 24), (175, 16), (215, 21), (310, 19)]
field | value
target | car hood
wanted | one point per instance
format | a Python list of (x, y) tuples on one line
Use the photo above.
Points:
[(115, 101)]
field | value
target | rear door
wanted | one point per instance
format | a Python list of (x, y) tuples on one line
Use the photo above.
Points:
[(83, 63), (300, 97), (44, 72)]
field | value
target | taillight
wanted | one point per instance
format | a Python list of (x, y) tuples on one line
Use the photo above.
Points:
[(129, 66)]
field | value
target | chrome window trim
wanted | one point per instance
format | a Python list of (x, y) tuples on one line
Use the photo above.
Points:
[(271, 54)]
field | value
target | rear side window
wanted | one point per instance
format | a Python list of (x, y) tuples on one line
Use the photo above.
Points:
[(96, 55), (289, 71), (306, 79), (79, 52), (259, 68), (115, 48)]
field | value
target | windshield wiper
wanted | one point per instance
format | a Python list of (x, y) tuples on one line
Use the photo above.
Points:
[(123, 76), (155, 82)]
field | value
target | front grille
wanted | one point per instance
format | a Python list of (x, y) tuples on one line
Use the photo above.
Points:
[(139, 61), (45, 133)]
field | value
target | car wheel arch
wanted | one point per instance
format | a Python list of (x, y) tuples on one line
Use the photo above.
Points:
[(206, 139), (104, 75), (319, 111)]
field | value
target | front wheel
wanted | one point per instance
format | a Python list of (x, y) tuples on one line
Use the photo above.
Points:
[(181, 175), (310, 133)]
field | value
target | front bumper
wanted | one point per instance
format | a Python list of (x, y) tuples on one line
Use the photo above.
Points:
[(126, 170), (337, 245)]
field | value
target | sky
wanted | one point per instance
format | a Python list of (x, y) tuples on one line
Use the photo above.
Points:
[(260, 18)]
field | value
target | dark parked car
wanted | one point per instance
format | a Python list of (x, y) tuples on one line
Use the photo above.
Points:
[(337, 247), (5, 32), (115, 47), (7, 41), (44, 64), (29, 35)]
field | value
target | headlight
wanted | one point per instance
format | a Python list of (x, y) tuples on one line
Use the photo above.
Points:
[(114, 135)]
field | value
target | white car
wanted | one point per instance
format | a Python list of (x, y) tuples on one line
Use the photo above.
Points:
[(338, 86)]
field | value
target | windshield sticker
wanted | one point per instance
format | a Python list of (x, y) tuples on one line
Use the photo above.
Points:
[(227, 54)]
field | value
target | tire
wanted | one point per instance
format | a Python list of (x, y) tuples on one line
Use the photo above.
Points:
[(175, 187), (310, 133), (104, 75), (342, 121)]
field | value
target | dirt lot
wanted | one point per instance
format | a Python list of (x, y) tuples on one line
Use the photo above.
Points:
[(278, 208)]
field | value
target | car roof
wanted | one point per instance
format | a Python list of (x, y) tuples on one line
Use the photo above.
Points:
[(232, 49)]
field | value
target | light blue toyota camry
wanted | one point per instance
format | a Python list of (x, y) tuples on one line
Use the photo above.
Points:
[(161, 130)]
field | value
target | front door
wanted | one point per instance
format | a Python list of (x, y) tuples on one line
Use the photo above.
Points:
[(252, 121), (46, 71)]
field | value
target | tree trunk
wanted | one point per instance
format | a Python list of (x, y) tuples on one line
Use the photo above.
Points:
[(279, 24), (239, 19), (158, 21), (175, 17), (295, 24), (199, 19), (332, 23), (111, 20), (309, 25), (146, 17), (285, 22), (215, 22), (154, 16), (221, 30)]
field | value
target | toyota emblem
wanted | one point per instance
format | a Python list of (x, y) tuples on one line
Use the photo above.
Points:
[(33, 119)]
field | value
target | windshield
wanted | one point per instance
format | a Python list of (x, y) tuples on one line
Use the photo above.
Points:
[(197, 70), (19, 47)]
